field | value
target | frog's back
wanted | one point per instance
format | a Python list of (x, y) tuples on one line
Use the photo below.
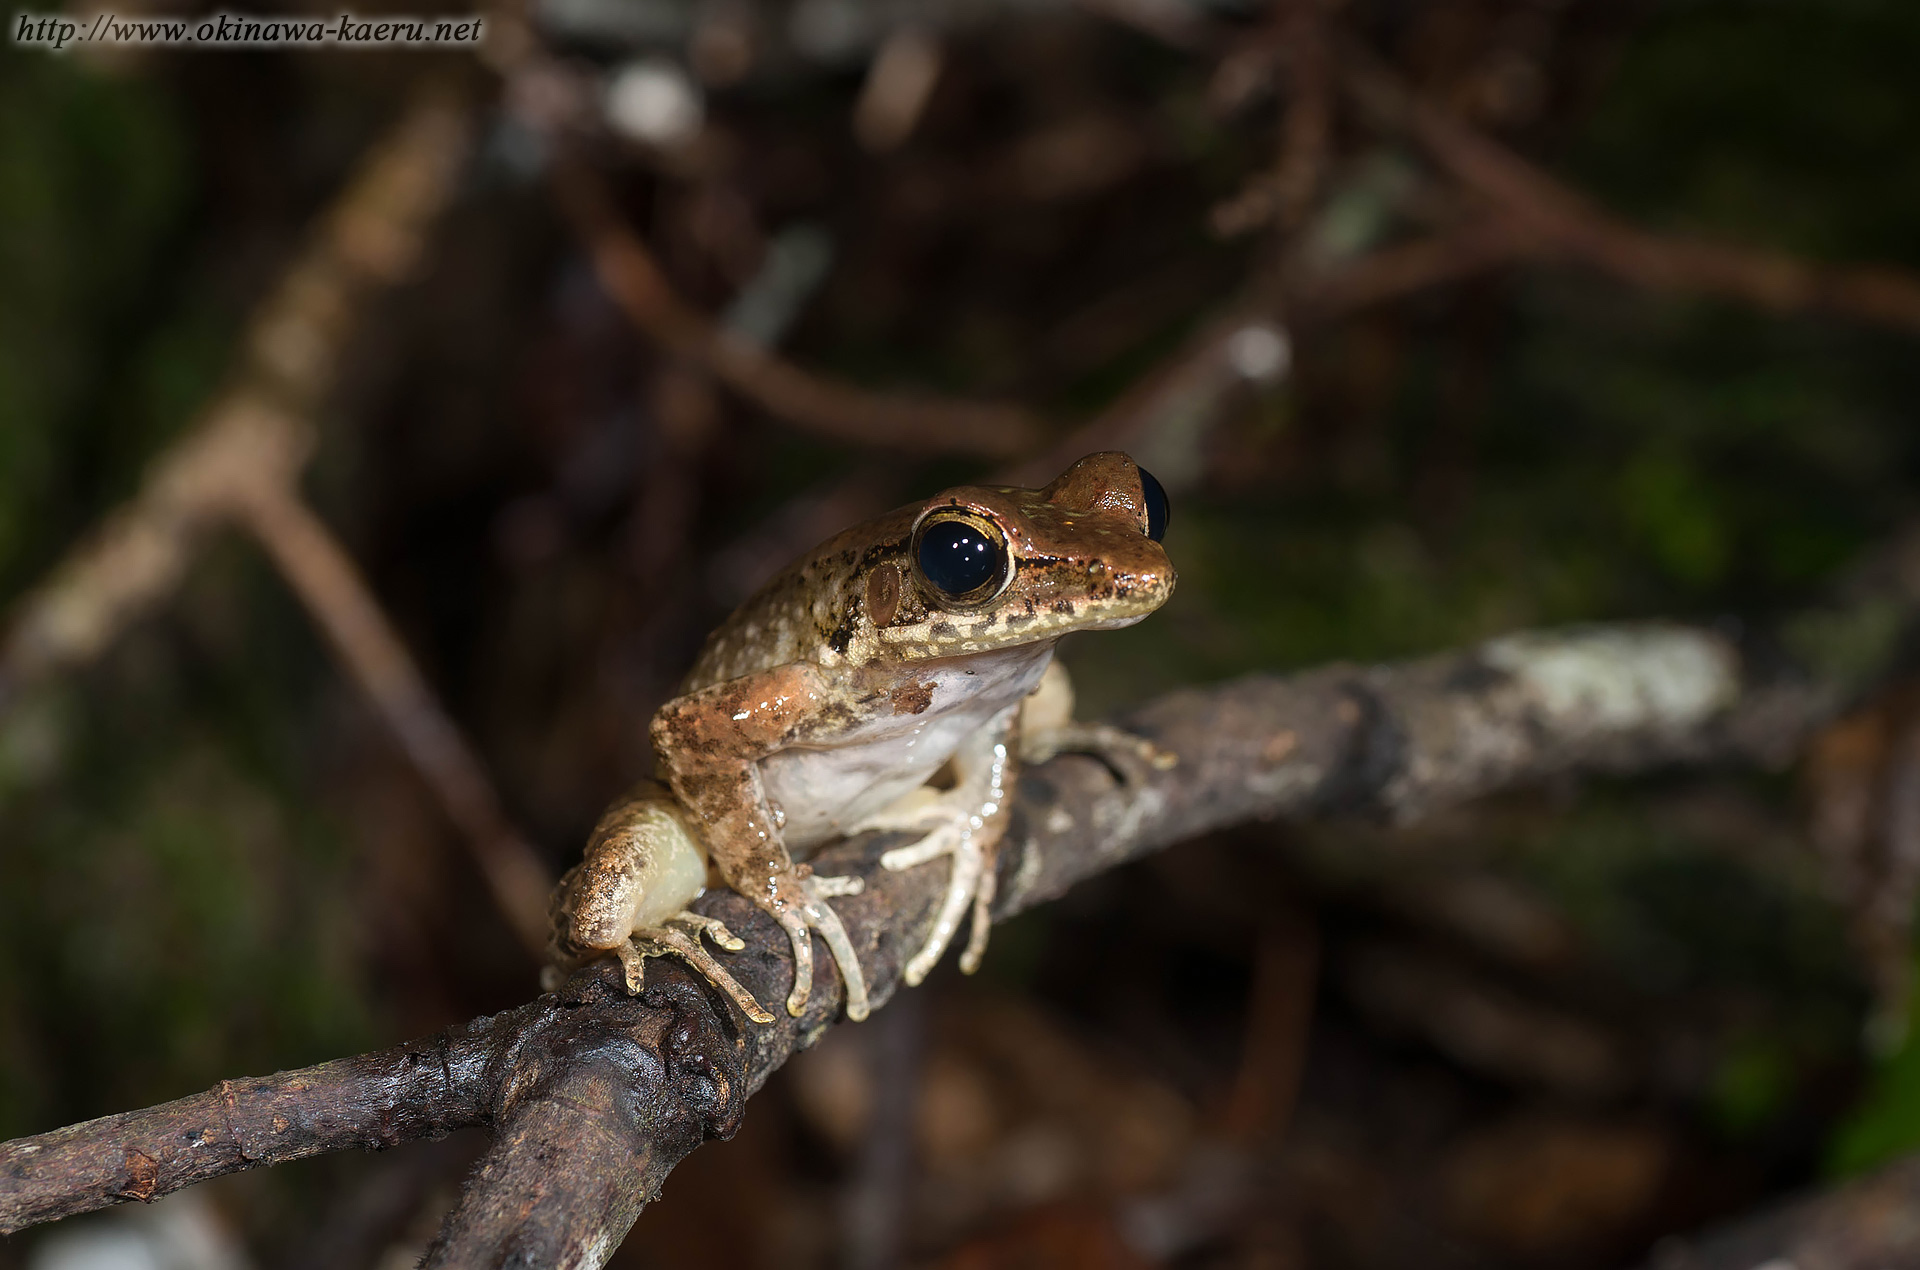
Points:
[(809, 611)]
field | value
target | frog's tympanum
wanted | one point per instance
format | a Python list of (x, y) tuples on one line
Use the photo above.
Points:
[(917, 644)]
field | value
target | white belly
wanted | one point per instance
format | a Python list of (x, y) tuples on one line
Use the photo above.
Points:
[(823, 788)]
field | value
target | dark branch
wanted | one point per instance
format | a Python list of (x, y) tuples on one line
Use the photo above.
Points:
[(594, 1097), (373, 1101)]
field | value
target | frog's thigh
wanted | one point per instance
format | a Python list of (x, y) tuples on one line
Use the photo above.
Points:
[(643, 864), (1047, 728), (1050, 704)]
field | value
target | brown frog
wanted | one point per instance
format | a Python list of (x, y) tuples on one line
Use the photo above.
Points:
[(918, 642)]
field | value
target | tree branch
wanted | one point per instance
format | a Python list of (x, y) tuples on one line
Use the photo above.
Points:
[(827, 407), (1551, 219), (595, 1096), (258, 430), (241, 464)]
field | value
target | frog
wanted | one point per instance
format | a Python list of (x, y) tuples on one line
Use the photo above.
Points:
[(894, 680)]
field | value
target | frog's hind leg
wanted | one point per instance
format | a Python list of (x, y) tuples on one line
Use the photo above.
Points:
[(965, 823), (629, 894), (1047, 728), (680, 937)]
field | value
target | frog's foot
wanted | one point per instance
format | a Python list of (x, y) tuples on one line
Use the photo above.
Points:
[(799, 904), (965, 823), (970, 884), (967, 827), (1116, 747), (680, 935)]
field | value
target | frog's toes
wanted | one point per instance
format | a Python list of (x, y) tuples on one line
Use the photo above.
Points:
[(1118, 748), (698, 924), (805, 912), (950, 824), (680, 935), (970, 884), (942, 841), (821, 917)]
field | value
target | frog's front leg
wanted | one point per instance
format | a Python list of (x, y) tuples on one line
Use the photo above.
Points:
[(966, 823), (628, 896), (710, 744)]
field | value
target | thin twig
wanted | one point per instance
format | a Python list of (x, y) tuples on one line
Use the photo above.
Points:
[(829, 407), (242, 463), (1306, 128), (1402, 269), (1279, 1020), (257, 429), (1551, 219), (323, 575), (1185, 389)]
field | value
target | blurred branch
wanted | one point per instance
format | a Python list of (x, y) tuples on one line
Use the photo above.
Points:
[(1865, 1224), (1550, 219), (241, 464), (323, 575), (1297, 33), (1163, 417), (257, 430), (594, 1096), (841, 411)]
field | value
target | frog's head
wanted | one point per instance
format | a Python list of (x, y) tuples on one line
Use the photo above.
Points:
[(989, 567)]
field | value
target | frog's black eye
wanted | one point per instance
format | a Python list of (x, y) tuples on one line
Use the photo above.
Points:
[(962, 557), (1158, 508)]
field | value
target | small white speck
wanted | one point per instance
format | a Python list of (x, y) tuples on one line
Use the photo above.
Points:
[(654, 101), (742, 715), (1259, 352)]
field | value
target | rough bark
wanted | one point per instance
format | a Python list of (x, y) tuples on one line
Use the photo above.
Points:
[(594, 1096)]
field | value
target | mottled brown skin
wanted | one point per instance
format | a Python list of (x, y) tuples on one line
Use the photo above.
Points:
[(829, 646), (1083, 562)]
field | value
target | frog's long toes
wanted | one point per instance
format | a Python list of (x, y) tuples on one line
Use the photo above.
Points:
[(919, 810), (633, 963), (713, 928), (982, 919), (968, 863), (941, 842), (1119, 749), (792, 919), (688, 947), (827, 922)]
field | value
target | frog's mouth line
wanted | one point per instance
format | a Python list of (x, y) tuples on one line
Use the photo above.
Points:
[(1115, 623)]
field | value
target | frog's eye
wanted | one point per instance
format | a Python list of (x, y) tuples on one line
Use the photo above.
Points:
[(1159, 509), (963, 556)]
